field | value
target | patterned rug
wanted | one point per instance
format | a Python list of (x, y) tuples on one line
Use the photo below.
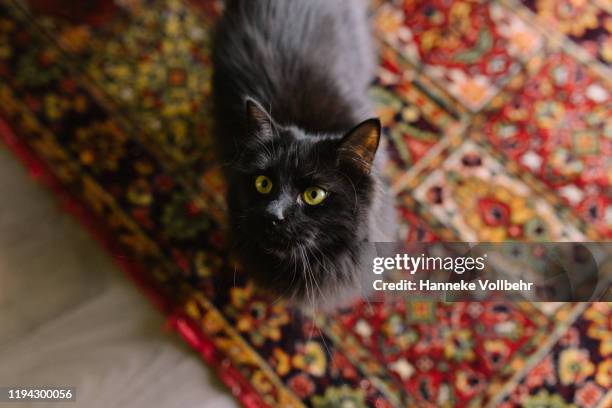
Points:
[(490, 107)]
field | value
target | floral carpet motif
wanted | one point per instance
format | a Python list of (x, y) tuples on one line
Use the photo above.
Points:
[(498, 121)]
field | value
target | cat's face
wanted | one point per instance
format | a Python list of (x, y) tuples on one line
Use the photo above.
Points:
[(300, 198)]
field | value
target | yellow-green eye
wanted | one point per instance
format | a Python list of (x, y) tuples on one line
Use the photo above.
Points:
[(263, 184), (314, 195)]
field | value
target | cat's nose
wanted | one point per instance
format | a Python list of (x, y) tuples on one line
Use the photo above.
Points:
[(276, 218), (276, 212)]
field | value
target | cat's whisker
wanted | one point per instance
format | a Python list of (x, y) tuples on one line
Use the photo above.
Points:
[(310, 275), (294, 271), (322, 336), (355, 202), (331, 356)]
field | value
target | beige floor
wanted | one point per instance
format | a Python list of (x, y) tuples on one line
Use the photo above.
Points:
[(68, 317)]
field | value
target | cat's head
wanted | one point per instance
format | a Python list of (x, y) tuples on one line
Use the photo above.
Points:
[(300, 201)]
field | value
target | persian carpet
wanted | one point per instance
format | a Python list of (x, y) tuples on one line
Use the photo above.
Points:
[(498, 116)]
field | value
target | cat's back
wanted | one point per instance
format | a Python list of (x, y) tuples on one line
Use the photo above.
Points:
[(297, 57)]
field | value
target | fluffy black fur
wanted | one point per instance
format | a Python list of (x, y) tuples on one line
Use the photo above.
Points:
[(290, 90)]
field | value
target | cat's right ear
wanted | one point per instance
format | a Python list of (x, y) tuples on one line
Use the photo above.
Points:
[(259, 122), (359, 145)]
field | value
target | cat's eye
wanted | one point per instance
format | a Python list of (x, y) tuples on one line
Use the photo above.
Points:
[(263, 184), (314, 195)]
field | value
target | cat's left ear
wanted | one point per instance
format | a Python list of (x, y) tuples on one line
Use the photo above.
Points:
[(259, 123), (358, 147)]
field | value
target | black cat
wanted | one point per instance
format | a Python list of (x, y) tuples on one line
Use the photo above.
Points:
[(295, 130)]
